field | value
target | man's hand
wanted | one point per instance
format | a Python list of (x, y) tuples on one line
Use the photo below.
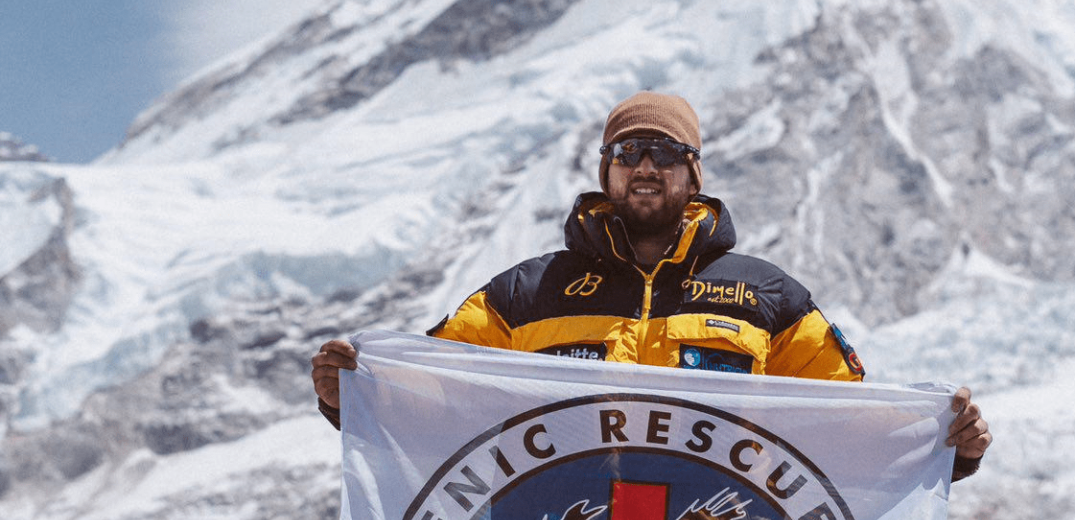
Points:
[(969, 433), (333, 356)]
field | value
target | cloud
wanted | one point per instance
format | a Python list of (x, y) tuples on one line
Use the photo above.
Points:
[(197, 33)]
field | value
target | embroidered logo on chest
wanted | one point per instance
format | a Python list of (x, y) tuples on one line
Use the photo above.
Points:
[(721, 324), (584, 286), (724, 292)]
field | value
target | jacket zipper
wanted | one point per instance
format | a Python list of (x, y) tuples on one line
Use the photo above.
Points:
[(647, 301)]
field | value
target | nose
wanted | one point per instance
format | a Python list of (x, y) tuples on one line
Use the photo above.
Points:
[(646, 166)]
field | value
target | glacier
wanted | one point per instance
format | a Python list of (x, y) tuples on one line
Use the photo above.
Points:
[(911, 162)]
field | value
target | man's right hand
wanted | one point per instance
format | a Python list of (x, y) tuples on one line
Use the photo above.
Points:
[(333, 356)]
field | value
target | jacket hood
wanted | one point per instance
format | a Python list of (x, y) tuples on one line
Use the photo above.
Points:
[(594, 230)]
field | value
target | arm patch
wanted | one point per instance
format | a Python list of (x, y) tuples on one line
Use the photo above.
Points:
[(852, 359)]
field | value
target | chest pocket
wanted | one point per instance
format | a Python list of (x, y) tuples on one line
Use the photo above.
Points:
[(712, 342)]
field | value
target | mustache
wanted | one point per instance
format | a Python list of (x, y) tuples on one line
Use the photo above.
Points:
[(647, 180)]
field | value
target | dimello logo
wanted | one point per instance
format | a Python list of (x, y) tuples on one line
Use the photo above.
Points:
[(628, 457), (737, 293)]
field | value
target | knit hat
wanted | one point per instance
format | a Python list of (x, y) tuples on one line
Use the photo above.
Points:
[(653, 113)]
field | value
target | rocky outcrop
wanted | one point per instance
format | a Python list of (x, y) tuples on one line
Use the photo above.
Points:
[(193, 399), (876, 180), (13, 149), (471, 30), (474, 30), (37, 289)]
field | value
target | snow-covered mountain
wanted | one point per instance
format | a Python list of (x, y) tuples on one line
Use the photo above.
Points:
[(912, 162)]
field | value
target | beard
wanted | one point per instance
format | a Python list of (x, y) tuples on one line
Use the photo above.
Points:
[(645, 221)]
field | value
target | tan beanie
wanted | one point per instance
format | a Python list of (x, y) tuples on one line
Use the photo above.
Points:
[(650, 112)]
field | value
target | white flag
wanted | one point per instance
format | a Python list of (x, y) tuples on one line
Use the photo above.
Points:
[(438, 430)]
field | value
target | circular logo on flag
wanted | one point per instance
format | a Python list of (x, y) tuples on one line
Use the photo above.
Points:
[(627, 457)]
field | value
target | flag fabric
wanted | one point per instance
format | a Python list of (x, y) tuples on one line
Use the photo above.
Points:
[(438, 430)]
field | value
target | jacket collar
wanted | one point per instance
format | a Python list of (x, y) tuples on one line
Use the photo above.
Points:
[(594, 230)]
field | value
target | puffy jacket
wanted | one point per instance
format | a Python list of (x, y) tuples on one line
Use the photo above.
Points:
[(702, 307)]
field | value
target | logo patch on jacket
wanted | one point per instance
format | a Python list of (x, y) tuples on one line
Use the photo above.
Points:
[(721, 291), (852, 359), (595, 352), (701, 358), (584, 286), (721, 324)]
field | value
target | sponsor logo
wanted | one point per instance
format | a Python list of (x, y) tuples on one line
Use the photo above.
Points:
[(584, 286), (628, 457), (596, 351), (737, 293), (850, 357), (722, 325), (702, 358), (690, 357)]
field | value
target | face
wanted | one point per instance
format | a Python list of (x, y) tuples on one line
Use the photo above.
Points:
[(650, 199)]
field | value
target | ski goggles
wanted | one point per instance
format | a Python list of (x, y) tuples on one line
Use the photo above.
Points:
[(664, 152)]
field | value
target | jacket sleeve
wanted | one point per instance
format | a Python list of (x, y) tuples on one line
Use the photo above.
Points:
[(812, 348), (964, 467), (330, 413), (475, 322)]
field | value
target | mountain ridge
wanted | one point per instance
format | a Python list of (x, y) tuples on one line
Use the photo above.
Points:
[(901, 164)]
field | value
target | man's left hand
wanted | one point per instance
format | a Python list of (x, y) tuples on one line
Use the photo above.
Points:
[(969, 433)]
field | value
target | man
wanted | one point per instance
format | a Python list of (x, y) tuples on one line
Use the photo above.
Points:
[(647, 277)]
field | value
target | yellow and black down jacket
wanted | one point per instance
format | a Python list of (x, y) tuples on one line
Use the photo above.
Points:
[(702, 307)]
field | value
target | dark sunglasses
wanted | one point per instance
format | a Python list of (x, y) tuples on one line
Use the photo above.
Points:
[(663, 152)]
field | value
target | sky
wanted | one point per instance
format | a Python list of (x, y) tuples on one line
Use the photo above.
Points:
[(74, 74)]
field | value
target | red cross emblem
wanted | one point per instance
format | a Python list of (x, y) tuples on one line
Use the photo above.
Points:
[(643, 501), (638, 501)]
